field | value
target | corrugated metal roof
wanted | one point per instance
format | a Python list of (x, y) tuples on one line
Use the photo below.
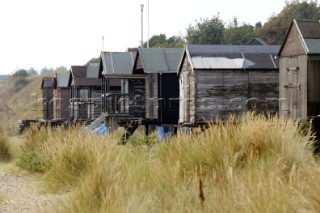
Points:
[(309, 29), (313, 46), (47, 82), (93, 70), (118, 63), (220, 63), (160, 60), (62, 80), (241, 56)]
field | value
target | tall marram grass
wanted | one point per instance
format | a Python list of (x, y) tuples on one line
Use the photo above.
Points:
[(258, 164)]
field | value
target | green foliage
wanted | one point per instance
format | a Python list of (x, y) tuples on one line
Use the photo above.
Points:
[(32, 161), (236, 34), (206, 31), (20, 74), (274, 30), (4, 148), (20, 83), (161, 41), (93, 61)]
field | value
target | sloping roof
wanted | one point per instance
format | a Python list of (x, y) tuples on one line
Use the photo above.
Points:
[(160, 60), (118, 63), (309, 32), (257, 41), (47, 82), (62, 80), (233, 56), (93, 70), (79, 76)]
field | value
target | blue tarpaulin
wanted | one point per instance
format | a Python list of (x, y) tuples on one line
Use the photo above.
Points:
[(102, 129), (162, 134)]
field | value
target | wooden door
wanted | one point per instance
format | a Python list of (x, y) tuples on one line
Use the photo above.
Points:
[(292, 88)]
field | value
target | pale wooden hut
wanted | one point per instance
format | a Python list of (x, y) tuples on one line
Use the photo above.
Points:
[(299, 75), (219, 80)]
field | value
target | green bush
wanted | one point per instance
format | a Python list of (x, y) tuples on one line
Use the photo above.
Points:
[(31, 161)]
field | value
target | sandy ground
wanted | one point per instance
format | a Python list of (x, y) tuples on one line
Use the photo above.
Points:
[(19, 193)]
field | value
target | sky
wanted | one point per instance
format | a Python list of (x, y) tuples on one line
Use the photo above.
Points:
[(52, 33)]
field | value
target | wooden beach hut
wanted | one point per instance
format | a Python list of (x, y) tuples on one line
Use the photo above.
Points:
[(299, 75), (219, 80)]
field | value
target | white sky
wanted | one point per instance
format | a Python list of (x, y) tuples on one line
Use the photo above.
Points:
[(39, 33)]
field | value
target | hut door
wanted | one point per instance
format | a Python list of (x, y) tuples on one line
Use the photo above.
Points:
[(292, 90)]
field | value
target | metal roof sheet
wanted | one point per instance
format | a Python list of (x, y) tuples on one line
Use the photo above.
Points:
[(79, 75), (160, 60), (220, 63), (118, 63), (62, 80), (313, 46), (47, 82), (234, 56), (93, 70), (309, 29)]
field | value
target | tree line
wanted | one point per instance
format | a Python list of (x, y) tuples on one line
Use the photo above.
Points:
[(216, 31)]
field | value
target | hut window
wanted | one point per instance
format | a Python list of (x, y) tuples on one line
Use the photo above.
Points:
[(84, 95)]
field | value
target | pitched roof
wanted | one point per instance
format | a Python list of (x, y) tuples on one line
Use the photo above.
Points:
[(309, 33), (257, 41), (160, 60), (233, 56), (62, 80), (93, 70), (47, 82), (79, 77), (117, 63)]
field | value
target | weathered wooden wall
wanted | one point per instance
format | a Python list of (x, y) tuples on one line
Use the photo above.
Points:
[(187, 93), (151, 96), (61, 103), (219, 93), (293, 86), (137, 106), (47, 103)]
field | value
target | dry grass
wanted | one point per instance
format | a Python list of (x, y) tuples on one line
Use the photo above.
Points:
[(5, 154), (258, 164)]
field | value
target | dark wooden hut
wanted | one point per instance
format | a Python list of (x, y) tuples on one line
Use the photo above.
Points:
[(123, 94), (159, 65), (219, 80), (300, 70), (47, 97), (62, 96), (85, 102)]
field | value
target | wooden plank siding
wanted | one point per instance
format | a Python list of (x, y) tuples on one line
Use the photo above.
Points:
[(47, 103), (293, 86), (313, 88), (219, 93), (152, 96), (61, 103)]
